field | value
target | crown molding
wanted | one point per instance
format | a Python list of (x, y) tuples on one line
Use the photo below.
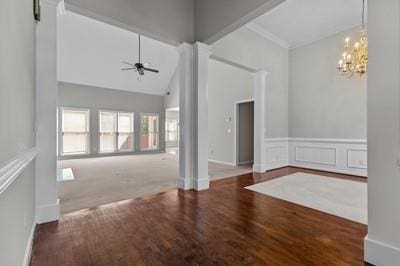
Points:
[(266, 34), (324, 36)]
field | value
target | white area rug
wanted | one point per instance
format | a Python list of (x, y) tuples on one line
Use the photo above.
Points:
[(343, 198)]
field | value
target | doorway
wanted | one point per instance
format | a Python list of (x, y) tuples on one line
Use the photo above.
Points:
[(245, 133)]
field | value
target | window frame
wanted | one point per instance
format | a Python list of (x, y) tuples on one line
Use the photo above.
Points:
[(176, 131), (61, 132), (158, 132), (116, 112)]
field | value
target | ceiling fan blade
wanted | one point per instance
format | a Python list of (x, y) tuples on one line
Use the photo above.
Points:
[(151, 70), (130, 68), (129, 64)]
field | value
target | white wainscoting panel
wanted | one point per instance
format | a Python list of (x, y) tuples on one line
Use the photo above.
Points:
[(347, 156), (315, 155), (276, 153)]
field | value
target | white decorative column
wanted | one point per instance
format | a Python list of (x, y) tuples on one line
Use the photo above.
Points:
[(47, 203), (259, 121), (201, 57), (185, 66)]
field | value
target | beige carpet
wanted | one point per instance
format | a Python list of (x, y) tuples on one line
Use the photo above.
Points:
[(340, 197), (108, 179)]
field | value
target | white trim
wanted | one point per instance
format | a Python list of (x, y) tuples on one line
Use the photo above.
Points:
[(266, 34), (50, 2), (281, 152), (379, 253), (13, 168), (48, 213), (185, 184), (221, 162), (349, 141), (259, 92), (349, 163), (28, 249), (201, 184), (296, 157)]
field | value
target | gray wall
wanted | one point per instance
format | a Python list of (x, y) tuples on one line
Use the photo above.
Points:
[(252, 50), (95, 99), (17, 109), (169, 21), (172, 100), (216, 18), (226, 85), (323, 104), (383, 132)]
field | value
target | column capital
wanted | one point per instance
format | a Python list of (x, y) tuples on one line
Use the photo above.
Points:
[(50, 2), (260, 73), (202, 47), (184, 47)]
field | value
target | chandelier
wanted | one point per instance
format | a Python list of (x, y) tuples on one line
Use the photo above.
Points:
[(355, 57)]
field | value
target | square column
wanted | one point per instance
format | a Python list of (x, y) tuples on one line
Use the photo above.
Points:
[(202, 54), (185, 69), (193, 106), (47, 203), (259, 121)]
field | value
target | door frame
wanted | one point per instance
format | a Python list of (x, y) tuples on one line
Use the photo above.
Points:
[(236, 129)]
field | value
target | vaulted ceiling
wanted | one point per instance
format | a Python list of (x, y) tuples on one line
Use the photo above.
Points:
[(298, 22), (91, 53)]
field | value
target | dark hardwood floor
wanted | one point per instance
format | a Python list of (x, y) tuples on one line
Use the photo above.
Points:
[(225, 225)]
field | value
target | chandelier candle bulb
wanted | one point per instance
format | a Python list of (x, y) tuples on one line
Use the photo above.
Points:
[(355, 56)]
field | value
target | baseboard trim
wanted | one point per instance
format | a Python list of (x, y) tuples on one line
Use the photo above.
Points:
[(201, 184), (259, 168), (378, 253), (330, 170), (48, 213), (221, 162), (185, 184), (29, 245)]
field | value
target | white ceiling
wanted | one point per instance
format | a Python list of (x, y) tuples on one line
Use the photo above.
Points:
[(298, 22), (91, 53)]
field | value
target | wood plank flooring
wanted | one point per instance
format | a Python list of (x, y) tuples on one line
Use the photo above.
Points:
[(225, 225)]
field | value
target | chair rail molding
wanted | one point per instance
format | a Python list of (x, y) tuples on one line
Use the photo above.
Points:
[(346, 156), (11, 170)]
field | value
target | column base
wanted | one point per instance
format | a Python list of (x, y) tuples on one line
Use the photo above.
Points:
[(185, 184), (201, 184), (48, 213), (259, 168)]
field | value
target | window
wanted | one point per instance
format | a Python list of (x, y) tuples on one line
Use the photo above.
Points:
[(116, 131), (149, 132), (171, 133), (75, 131)]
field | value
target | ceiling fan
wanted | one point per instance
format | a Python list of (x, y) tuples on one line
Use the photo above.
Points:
[(139, 67)]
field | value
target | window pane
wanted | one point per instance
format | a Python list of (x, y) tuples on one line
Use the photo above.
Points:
[(125, 122), (149, 132), (75, 143), (107, 142), (108, 122), (75, 120), (75, 129), (125, 141)]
